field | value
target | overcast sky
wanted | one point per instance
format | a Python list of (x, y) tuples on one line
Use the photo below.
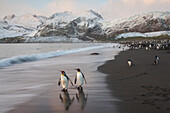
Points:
[(109, 9)]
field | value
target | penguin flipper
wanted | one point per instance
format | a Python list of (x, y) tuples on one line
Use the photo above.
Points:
[(69, 79), (84, 78), (75, 81), (59, 82)]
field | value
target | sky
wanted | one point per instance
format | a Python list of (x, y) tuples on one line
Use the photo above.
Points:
[(109, 9)]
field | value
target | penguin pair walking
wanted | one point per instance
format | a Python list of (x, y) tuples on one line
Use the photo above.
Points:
[(79, 80)]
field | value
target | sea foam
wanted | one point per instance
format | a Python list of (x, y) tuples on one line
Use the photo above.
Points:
[(33, 57)]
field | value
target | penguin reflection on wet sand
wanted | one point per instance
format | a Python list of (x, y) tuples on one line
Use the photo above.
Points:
[(64, 80), (66, 100), (79, 80), (81, 98)]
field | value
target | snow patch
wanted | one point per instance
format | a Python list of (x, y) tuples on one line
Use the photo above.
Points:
[(28, 21), (137, 34)]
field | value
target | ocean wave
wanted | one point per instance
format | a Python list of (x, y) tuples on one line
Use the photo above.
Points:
[(34, 57)]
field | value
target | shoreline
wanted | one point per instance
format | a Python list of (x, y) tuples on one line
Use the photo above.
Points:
[(142, 88)]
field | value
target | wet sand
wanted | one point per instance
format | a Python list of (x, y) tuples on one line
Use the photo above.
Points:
[(96, 97), (142, 88)]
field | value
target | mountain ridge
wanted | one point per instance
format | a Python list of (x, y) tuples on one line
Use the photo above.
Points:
[(89, 25)]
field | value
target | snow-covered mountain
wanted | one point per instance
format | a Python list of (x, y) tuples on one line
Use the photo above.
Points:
[(7, 30), (13, 26), (28, 21), (147, 22), (70, 25), (88, 25)]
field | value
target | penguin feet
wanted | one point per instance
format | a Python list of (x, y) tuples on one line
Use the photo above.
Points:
[(64, 90), (80, 88)]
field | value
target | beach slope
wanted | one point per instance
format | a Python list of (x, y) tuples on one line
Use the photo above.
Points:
[(142, 88)]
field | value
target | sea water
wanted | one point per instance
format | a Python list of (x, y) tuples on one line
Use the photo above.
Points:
[(18, 53)]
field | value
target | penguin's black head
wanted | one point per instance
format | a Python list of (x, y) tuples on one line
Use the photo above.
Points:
[(78, 70), (62, 72)]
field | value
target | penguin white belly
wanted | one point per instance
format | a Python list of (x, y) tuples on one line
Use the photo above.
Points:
[(129, 63), (64, 82), (80, 79)]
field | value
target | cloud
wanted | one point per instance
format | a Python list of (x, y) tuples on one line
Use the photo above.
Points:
[(146, 2), (125, 8), (140, 1), (110, 9), (7, 8), (62, 5), (149, 1), (74, 6)]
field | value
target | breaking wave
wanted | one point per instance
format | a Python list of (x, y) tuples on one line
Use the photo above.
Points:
[(34, 57)]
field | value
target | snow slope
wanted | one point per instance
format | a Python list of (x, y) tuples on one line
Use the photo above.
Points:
[(137, 34), (7, 30), (28, 21), (24, 25), (147, 22)]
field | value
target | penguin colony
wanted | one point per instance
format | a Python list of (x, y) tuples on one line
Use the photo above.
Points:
[(79, 80)]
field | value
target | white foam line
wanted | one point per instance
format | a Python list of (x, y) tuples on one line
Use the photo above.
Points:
[(34, 57)]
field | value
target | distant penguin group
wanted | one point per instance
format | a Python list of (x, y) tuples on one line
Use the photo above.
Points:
[(79, 80), (156, 61)]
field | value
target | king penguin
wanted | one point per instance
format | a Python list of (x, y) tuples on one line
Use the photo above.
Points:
[(64, 80), (79, 80), (129, 62), (156, 61)]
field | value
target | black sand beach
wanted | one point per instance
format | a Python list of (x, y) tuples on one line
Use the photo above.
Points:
[(144, 87)]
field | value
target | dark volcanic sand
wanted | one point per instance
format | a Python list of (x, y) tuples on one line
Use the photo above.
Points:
[(144, 87)]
